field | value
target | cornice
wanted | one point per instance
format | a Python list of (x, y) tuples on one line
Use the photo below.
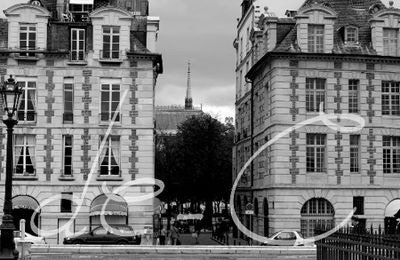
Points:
[(268, 57)]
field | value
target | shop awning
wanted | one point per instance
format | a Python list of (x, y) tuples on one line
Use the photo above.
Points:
[(115, 206), (24, 202), (81, 2)]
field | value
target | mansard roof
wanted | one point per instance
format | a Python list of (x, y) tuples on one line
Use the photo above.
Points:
[(349, 12)]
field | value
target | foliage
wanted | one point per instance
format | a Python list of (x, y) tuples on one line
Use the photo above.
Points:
[(196, 164)]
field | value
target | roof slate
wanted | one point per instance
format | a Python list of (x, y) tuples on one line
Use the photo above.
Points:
[(348, 13), (169, 120)]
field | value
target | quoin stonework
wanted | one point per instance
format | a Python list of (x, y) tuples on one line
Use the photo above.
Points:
[(76, 59), (346, 55)]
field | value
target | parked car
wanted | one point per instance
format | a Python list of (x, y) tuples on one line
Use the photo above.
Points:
[(100, 235), (29, 238), (287, 238)]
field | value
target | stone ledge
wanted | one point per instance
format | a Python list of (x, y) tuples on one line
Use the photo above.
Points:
[(179, 250)]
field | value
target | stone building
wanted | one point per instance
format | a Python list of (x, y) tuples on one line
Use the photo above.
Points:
[(344, 54), (77, 61)]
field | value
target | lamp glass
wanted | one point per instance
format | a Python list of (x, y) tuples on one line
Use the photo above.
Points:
[(10, 99)]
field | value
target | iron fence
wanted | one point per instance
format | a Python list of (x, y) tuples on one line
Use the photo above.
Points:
[(358, 244)]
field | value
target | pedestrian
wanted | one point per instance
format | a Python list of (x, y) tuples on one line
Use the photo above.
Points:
[(197, 229), (174, 234), (163, 235)]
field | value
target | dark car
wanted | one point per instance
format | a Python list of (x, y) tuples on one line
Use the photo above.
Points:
[(118, 234)]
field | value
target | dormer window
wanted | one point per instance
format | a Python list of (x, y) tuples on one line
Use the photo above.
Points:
[(315, 38), (27, 38), (110, 42), (390, 41), (351, 35)]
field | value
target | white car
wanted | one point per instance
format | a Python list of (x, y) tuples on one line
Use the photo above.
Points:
[(287, 238), (29, 238)]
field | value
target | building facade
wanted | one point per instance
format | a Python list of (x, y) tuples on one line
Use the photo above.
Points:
[(88, 70), (247, 30), (336, 57)]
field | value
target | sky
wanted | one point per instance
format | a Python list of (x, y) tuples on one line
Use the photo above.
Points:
[(202, 32)]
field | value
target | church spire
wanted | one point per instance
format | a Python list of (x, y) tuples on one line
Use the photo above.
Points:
[(188, 99)]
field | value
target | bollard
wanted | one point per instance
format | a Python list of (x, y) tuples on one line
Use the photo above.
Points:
[(23, 247)]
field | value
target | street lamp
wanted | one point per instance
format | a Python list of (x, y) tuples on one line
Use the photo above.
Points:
[(10, 92)]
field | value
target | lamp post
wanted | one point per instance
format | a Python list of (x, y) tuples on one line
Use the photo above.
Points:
[(10, 92)]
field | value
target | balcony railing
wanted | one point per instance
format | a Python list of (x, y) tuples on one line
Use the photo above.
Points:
[(110, 56), (27, 53), (107, 117), (77, 56), (26, 116), (68, 117)]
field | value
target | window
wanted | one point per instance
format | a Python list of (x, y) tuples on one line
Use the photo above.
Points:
[(109, 157), (110, 42), (68, 116), (315, 38), (27, 105), (358, 203), (24, 154), (391, 154), (390, 42), (390, 98), (351, 35), (110, 96), (77, 44), (67, 155), (27, 38), (66, 202), (100, 231), (80, 12), (316, 212), (353, 95), (316, 152), (315, 94), (286, 236), (354, 153)]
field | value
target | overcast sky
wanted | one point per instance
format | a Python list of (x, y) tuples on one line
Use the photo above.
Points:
[(202, 32)]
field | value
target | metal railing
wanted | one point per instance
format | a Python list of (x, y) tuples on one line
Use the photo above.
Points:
[(26, 116), (77, 56), (358, 244), (107, 117)]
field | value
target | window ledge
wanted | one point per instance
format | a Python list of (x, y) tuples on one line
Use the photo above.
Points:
[(109, 178), (77, 63), (66, 178), (29, 58), (110, 60), (116, 123), (25, 177), (316, 173), (26, 122)]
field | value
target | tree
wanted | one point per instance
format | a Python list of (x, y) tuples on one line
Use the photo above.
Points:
[(205, 160), (196, 164)]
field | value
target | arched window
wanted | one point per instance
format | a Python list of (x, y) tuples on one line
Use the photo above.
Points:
[(316, 212), (266, 218)]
